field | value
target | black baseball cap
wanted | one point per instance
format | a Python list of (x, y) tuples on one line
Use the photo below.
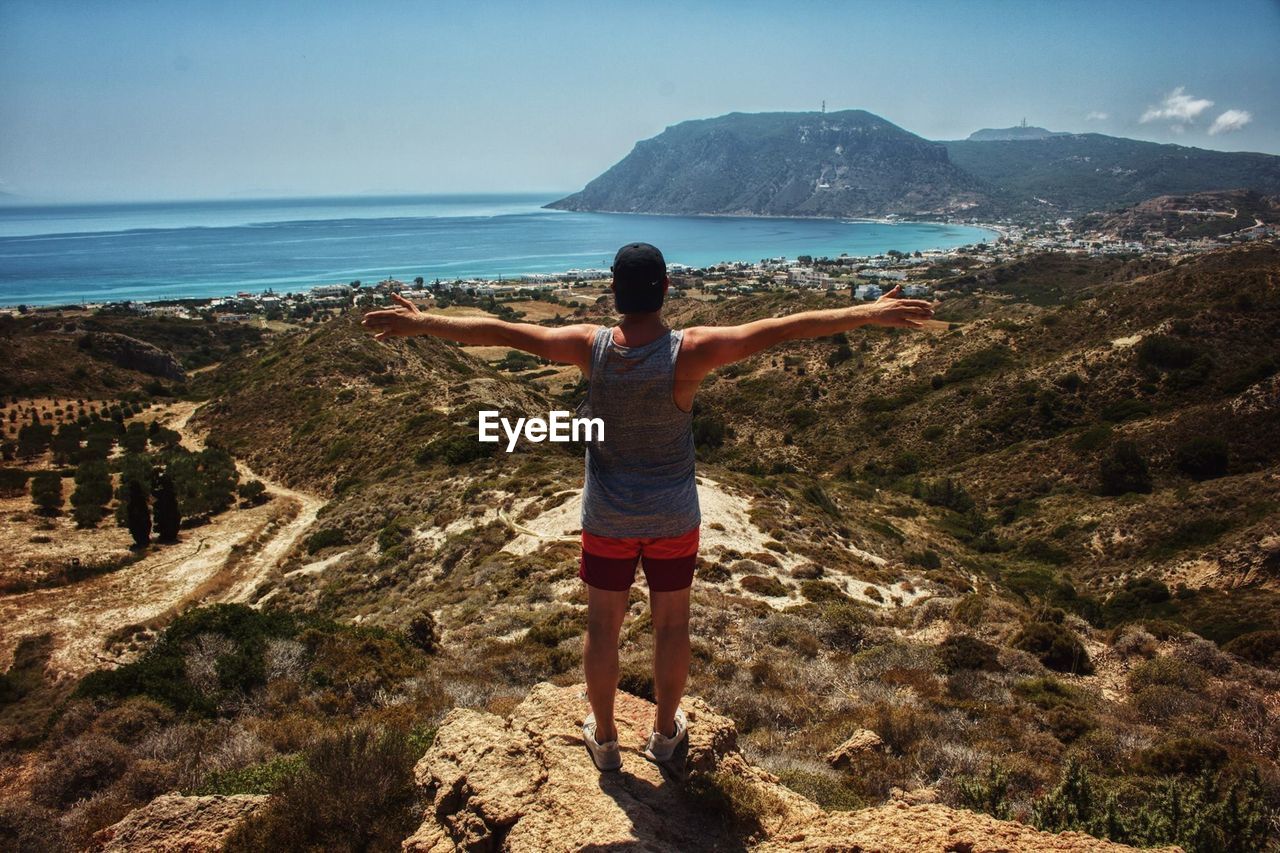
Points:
[(639, 278)]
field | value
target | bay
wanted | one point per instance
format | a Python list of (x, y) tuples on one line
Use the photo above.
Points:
[(150, 251)]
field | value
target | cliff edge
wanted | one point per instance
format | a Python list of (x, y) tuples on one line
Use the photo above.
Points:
[(526, 783)]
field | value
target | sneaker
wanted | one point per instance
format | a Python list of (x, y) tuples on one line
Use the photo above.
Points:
[(661, 747), (605, 756)]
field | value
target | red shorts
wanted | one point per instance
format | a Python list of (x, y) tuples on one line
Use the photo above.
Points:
[(609, 563)]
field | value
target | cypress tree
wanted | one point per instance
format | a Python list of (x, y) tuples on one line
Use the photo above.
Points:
[(138, 515), (166, 508)]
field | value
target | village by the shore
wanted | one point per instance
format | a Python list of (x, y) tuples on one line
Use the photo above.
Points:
[(865, 277)]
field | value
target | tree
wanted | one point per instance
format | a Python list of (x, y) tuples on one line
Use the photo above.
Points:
[(137, 515), (166, 508), (33, 440), (1124, 470), (46, 492), (66, 444), (135, 438), (93, 490), (252, 492)]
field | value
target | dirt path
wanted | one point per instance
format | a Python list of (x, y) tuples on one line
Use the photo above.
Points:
[(221, 561)]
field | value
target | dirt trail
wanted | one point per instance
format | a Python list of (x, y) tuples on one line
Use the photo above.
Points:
[(221, 561)]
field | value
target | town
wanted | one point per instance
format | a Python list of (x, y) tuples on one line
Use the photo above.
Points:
[(864, 277)]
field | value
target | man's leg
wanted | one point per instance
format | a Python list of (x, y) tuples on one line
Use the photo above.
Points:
[(670, 611), (606, 608)]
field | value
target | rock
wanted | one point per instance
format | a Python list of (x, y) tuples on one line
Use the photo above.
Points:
[(172, 823), (861, 742), (132, 354), (526, 783)]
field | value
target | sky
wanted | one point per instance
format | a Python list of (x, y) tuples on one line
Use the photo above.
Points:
[(170, 99)]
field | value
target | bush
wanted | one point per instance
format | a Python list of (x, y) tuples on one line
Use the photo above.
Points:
[(1184, 756), (330, 537), (1055, 646), (557, 626), (46, 492), (1203, 458), (1261, 648), (422, 632), (1167, 353), (962, 651), (1167, 671), (355, 792), (1124, 470), (764, 585), (79, 769)]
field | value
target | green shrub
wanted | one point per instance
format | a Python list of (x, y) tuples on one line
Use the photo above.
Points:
[(267, 777), (422, 632), (1261, 648), (1124, 470), (329, 537), (1126, 409), (1183, 756), (821, 591), (355, 792), (989, 794), (1203, 458), (763, 585), (1167, 353), (1167, 671), (964, 652), (1055, 646), (557, 626), (162, 673)]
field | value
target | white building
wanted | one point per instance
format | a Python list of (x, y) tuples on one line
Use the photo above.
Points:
[(331, 290), (867, 291)]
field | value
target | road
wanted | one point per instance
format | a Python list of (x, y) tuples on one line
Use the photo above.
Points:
[(223, 561)]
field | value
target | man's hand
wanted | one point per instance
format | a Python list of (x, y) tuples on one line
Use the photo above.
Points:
[(403, 321), (892, 310)]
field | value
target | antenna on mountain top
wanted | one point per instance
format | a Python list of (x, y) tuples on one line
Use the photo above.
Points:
[(1024, 121), (824, 107)]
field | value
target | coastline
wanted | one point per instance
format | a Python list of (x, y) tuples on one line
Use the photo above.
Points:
[(212, 292)]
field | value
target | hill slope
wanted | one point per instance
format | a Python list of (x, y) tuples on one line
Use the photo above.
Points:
[(1090, 171), (849, 163)]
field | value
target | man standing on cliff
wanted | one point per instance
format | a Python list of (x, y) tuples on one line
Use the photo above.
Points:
[(640, 499)]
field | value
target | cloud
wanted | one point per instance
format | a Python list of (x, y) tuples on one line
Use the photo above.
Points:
[(1178, 107), (1097, 115), (1229, 121)]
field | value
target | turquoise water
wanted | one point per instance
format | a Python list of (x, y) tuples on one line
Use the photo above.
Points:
[(106, 252)]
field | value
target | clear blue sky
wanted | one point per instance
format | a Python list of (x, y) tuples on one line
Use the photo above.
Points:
[(173, 99)]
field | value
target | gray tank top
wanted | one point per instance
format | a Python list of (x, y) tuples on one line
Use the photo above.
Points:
[(639, 479)]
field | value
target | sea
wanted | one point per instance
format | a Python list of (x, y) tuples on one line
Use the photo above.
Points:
[(96, 253)]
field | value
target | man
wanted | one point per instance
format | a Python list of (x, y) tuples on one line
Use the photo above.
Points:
[(639, 500)]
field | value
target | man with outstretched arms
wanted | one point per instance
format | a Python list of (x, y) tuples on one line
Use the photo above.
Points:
[(640, 499)]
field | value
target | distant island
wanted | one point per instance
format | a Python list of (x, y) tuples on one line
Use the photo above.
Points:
[(856, 164)]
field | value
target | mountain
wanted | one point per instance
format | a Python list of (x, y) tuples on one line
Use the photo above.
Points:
[(1082, 172), (853, 163), (849, 163), (1022, 131)]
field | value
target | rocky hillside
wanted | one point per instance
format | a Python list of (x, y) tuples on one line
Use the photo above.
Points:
[(849, 163), (524, 784), (1209, 214)]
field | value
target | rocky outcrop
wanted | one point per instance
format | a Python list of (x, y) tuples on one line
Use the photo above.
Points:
[(172, 823), (526, 783), (861, 742), (132, 354)]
